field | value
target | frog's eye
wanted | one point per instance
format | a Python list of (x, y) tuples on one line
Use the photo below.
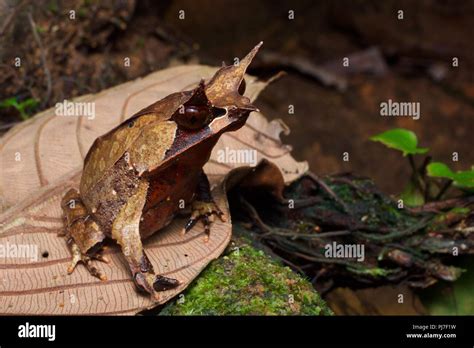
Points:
[(131, 124), (192, 116)]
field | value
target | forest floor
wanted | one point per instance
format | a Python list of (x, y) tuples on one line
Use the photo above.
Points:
[(408, 60)]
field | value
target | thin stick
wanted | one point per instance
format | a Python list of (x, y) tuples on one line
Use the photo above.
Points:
[(289, 233), (443, 189), (12, 15), (254, 215), (395, 234), (349, 183), (283, 231), (442, 205), (329, 191), (307, 68), (427, 183), (43, 60), (416, 174)]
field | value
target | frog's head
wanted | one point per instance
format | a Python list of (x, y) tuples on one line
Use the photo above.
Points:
[(219, 105)]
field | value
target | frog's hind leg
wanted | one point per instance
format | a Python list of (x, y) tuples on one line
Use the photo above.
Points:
[(83, 234), (203, 207), (126, 231)]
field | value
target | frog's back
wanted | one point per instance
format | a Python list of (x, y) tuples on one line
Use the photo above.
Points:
[(109, 148)]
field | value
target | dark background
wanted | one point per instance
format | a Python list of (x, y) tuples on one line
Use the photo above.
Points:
[(86, 55)]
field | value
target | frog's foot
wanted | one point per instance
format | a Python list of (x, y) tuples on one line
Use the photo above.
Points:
[(126, 231), (206, 212), (147, 281), (78, 256)]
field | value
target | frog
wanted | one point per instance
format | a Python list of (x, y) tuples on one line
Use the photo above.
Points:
[(136, 177)]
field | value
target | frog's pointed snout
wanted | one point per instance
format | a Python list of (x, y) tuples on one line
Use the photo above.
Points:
[(245, 104)]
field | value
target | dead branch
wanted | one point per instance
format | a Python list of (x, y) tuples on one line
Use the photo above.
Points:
[(43, 60)]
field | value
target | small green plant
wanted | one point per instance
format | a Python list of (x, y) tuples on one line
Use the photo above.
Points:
[(461, 179), (23, 107), (402, 140), (431, 180)]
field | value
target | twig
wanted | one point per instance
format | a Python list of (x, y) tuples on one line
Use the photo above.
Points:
[(306, 67), (442, 205), (426, 161), (348, 182), (443, 189), (254, 215), (288, 233), (304, 202), (329, 191), (395, 234), (10, 17), (268, 231), (43, 60), (416, 175), (309, 254)]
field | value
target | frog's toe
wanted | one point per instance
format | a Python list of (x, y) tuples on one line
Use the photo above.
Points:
[(222, 216), (206, 220), (144, 282), (93, 270), (149, 282), (100, 257), (77, 257), (206, 212), (164, 283), (190, 224), (87, 261)]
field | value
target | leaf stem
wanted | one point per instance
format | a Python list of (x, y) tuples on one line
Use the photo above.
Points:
[(416, 174), (443, 189), (426, 181)]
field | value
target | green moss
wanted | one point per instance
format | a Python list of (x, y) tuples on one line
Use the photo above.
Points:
[(248, 282), (344, 192), (367, 204), (375, 272)]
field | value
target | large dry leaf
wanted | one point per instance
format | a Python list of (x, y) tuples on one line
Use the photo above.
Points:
[(52, 149)]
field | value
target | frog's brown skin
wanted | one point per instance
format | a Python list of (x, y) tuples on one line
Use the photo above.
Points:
[(136, 175)]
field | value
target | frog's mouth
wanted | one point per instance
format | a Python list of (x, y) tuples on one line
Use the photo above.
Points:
[(232, 120)]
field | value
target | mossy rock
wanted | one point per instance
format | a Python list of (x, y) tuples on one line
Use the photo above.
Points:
[(246, 281)]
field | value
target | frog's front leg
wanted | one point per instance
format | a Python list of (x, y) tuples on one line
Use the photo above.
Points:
[(84, 236), (126, 231), (203, 207)]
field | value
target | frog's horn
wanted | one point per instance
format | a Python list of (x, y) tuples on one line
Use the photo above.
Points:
[(223, 89)]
